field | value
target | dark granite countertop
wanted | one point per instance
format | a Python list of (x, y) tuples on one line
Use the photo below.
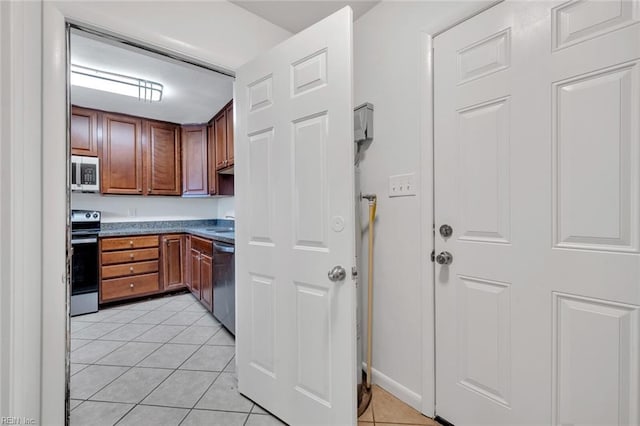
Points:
[(215, 229)]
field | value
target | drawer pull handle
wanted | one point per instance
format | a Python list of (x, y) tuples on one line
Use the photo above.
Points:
[(131, 269), (131, 256), (131, 243), (131, 285)]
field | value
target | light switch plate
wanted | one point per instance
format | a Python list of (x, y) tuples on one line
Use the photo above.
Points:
[(402, 185)]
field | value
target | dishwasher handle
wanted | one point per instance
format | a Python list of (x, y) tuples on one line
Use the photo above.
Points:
[(224, 248)]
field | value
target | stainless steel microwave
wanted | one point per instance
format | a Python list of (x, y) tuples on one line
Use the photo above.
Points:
[(85, 174)]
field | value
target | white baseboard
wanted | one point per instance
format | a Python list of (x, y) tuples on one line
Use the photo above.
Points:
[(401, 392)]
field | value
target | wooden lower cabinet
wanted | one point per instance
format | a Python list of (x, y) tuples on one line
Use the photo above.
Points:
[(201, 270), (129, 287), (206, 281), (173, 268), (138, 266), (194, 262)]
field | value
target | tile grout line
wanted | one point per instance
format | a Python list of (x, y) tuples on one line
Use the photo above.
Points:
[(115, 378), (162, 344)]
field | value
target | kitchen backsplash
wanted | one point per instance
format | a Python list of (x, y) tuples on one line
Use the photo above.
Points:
[(123, 208)]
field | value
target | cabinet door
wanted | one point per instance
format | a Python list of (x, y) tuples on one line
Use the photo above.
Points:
[(229, 122), (84, 132), (194, 261), (194, 160), (186, 263), (121, 155), (162, 165), (172, 258), (220, 129), (206, 281), (213, 173)]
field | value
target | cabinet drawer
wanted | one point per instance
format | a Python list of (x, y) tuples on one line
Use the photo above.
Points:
[(133, 268), (121, 288), (205, 246), (124, 243), (113, 257)]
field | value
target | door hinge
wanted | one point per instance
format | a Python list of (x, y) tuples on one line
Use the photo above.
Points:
[(354, 272), (433, 255)]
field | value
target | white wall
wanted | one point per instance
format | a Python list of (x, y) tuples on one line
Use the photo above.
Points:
[(226, 207), (123, 208), (388, 71)]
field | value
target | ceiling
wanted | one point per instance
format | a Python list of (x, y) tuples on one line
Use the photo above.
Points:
[(296, 15), (191, 94)]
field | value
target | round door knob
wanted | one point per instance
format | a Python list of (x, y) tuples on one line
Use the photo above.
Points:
[(444, 258), (446, 231), (337, 273)]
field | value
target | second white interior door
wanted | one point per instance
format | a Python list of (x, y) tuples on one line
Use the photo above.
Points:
[(537, 161)]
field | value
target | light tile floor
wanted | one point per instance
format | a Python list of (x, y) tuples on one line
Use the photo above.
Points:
[(158, 362), (387, 410), (169, 362)]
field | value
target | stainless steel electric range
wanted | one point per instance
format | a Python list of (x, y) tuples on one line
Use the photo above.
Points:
[(85, 226)]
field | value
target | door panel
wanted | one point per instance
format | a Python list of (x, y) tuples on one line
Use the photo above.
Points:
[(206, 281), (295, 174), (121, 169), (173, 254), (194, 160), (84, 132), (162, 142), (537, 151)]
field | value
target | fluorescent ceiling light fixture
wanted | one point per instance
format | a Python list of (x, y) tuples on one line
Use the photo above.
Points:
[(91, 78)]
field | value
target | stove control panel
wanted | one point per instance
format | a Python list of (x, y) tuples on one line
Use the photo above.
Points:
[(85, 216)]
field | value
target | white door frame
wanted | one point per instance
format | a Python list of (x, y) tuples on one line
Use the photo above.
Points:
[(427, 269)]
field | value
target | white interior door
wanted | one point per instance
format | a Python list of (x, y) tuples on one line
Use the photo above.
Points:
[(296, 334), (537, 155)]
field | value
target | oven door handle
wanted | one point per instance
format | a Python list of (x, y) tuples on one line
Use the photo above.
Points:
[(84, 240)]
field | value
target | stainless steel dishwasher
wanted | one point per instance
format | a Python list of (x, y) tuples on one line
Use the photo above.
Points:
[(224, 285)]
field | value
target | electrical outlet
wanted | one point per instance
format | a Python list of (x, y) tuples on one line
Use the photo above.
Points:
[(402, 185)]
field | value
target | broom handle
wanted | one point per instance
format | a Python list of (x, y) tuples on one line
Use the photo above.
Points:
[(372, 215)]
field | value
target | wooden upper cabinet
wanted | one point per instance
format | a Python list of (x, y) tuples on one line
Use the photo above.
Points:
[(84, 132), (194, 160), (213, 175), (229, 120), (162, 158), (121, 167), (220, 132)]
